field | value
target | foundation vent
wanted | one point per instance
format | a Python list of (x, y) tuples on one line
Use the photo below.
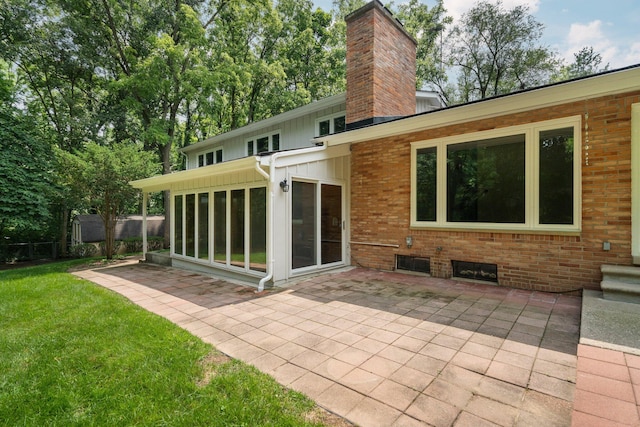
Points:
[(475, 271), (413, 263)]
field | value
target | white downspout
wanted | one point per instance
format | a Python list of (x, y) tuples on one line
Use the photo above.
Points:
[(269, 179), (270, 217)]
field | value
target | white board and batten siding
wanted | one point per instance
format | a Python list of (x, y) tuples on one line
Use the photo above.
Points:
[(294, 133)]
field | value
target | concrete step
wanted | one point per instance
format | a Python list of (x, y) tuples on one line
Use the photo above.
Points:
[(620, 283)]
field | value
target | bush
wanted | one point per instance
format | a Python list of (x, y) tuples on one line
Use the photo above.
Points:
[(83, 250), (134, 244)]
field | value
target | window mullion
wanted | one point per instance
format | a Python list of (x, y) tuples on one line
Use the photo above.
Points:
[(532, 176), (441, 184)]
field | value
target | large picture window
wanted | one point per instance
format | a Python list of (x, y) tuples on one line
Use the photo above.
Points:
[(485, 181), (518, 178)]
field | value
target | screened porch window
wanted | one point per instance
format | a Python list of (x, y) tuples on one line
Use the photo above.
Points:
[(524, 177), (233, 230)]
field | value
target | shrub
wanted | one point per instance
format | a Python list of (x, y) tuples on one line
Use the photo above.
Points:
[(83, 250), (134, 244)]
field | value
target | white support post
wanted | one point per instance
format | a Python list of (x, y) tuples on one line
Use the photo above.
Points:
[(145, 196)]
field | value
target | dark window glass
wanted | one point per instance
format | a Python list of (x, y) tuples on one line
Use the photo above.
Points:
[(258, 230), (339, 124), (324, 128), (331, 223), (275, 142), (250, 148), (237, 227), (263, 144), (556, 176), (201, 160), (203, 226), (303, 226), (210, 158), (486, 181), (177, 238), (220, 227), (218, 156), (426, 178), (190, 230)]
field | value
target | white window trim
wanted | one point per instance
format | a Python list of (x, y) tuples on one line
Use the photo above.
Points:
[(204, 157), (254, 140), (531, 223), (330, 117)]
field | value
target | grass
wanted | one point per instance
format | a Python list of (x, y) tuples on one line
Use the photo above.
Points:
[(73, 353)]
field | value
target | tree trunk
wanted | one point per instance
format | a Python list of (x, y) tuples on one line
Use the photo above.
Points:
[(64, 224)]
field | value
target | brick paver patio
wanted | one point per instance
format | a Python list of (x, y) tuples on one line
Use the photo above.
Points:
[(391, 349)]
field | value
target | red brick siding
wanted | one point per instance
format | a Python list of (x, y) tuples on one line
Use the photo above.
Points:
[(381, 64), (380, 213)]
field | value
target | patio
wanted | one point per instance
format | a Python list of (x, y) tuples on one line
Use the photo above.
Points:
[(389, 349)]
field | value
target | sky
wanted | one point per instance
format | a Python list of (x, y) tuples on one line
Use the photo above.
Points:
[(611, 27)]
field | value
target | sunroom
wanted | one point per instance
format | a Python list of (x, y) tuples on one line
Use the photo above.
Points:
[(261, 219)]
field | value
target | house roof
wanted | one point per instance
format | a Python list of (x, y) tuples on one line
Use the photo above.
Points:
[(275, 120), (162, 182), (607, 83), (129, 226)]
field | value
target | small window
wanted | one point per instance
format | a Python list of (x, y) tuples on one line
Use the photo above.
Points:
[(324, 127), (201, 160), (219, 155), (331, 124), (263, 144), (210, 158)]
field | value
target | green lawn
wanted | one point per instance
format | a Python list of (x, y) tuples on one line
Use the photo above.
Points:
[(73, 353)]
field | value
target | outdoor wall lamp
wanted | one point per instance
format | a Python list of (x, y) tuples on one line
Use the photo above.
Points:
[(409, 241), (285, 186)]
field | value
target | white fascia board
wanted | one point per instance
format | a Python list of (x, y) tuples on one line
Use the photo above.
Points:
[(271, 121), (626, 80), (164, 182)]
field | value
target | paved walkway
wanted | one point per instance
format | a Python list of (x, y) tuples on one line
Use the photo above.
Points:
[(392, 349)]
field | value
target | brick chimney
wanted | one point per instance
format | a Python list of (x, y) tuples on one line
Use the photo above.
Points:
[(381, 67)]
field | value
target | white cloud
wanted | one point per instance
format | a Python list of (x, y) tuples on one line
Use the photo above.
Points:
[(593, 34), (633, 55)]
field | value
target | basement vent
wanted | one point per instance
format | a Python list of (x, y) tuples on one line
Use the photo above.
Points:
[(475, 271), (413, 263)]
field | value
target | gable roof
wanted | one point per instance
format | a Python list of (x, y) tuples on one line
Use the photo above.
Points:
[(608, 83), (274, 120)]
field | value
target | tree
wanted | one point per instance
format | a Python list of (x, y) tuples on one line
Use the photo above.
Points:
[(25, 167), (586, 62), (105, 172), (496, 52), (427, 26)]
